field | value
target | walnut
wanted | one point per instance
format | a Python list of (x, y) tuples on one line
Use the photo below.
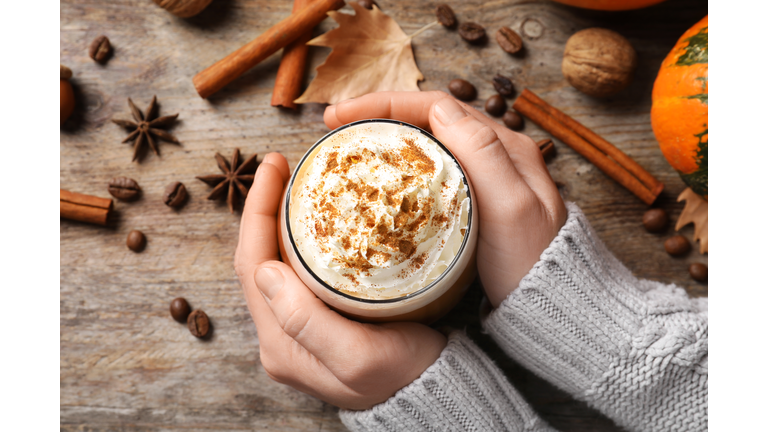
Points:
[(599, 62)]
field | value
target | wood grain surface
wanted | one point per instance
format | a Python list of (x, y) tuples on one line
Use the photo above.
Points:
[(126, 365)]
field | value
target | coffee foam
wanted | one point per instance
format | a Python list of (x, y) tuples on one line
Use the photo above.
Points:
[(379, 210)]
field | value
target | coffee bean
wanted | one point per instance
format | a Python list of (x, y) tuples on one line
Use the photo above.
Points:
[(495, 105), (136, 241), (698, 271), (472, 32), (463, 90), (180, 309), (65, 73), (175, 194), (509, 40), (198, 323), (445, 16), (677, 245), (368, 4), (513, 120), (100, 49), (503, 85), (124, 189), (655, 220)]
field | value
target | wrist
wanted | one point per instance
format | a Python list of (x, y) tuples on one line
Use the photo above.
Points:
[(502, 270)]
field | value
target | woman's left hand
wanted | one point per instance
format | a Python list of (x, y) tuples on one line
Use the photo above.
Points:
[(303, 343)]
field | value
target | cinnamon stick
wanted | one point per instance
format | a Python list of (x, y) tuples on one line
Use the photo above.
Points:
[(84, 208), (547, 148), (290, 75), (226, 70), (620, 157), (585, 146)]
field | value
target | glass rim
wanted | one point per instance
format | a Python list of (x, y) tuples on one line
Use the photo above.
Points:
[(324, 284)]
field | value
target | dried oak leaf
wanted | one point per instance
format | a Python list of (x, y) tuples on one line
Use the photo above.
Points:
[(696, 210), (371, 53)]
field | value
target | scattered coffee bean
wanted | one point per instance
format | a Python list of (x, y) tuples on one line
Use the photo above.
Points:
[(123, 188), (513, 120), (495, 105), (503, 85), (445, 16), (180, 309), (509, 40), (175, 194), (472, 32), (368, 4), (677, 245), (198, 323), (100, 49), (655, 220), (65, 73), (547, 148), (462, 89), (136, 241), (698, 271)]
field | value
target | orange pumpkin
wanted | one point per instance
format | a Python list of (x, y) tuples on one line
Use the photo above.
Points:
[(610, 5), (679, 114)]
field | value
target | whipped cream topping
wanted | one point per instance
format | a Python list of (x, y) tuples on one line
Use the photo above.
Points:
[(380, 211)]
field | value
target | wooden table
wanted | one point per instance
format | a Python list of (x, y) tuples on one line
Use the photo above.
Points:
[(126, 365)]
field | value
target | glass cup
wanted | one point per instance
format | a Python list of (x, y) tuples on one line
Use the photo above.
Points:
[(427, 303)]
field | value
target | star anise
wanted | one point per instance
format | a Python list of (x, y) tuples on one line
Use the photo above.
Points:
[(146, 126), (237, 178)]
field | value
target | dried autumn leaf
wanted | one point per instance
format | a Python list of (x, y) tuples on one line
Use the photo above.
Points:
[(696, 210), (371, 53)]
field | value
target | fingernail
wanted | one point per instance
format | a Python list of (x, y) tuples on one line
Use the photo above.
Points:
[(330, 110), (345, 101), (269, 281), (448, 112), (259, 170)]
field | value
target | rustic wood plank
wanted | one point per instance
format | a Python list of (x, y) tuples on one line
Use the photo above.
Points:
[(125, 364)]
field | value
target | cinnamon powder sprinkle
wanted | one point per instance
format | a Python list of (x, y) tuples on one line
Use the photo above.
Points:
[(440, 219), (415, 157), (406, 247), (386, 241), (420, 260), (332, 163)]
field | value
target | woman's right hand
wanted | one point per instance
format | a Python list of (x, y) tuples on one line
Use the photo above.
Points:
[(519, 207)]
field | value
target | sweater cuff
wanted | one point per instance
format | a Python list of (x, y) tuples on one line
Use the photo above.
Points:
[(579, 310), (462, 390)]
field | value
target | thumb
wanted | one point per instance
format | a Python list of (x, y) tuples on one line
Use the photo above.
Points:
[(304, 317), (478, 148)]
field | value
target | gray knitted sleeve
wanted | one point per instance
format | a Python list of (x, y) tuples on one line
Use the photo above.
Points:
[(636, 350), (462, 391)]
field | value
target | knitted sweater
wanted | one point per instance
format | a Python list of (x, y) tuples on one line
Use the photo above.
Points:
[(635, 350)]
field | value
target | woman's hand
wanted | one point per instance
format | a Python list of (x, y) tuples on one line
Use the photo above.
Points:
[(308, 346), (305, 344), (519, 207)]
